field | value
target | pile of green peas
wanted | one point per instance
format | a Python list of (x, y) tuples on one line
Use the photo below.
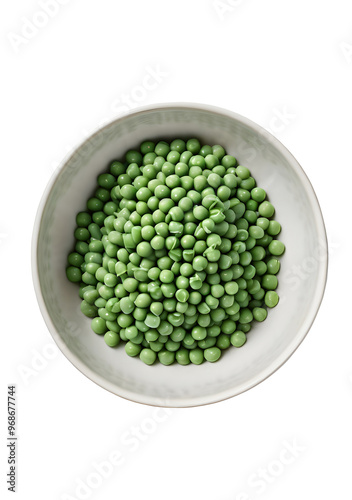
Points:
[(176, 254)]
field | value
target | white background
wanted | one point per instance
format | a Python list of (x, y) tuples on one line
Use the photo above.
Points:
[(265, 60)]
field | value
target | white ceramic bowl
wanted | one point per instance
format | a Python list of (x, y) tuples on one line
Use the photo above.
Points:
[(301, 280)]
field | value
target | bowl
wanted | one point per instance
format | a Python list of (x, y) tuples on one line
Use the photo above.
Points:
[(301, 280)]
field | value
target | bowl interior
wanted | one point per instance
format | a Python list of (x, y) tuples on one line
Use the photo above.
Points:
[(301, 279)]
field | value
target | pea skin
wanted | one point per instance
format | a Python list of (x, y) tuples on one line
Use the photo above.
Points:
[(177, 253)]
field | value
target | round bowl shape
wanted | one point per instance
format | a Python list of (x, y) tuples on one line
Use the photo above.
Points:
[(301, 279)]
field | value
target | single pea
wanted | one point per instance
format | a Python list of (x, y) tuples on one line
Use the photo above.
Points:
[(173, 157), (133, 156), (238, 339), (81, 234), (94, 204), (166, 276), (177, 194), (193, 145), (259, 313), (229, 161), (186, 270), (112, 339), (147, 147), (182, 356), (110, 280), (148, 356), (166, 357), (223, 342), (73, 274), (214, 180), (242, 172), (182, 295), (247, 184), (83, 219), (217, 291), (266, 209), (258, 194), (88, 310), (276, 247), (128, 191), (274, 228), (273, 266), (162, 149), (269, 282), (256, 232), (99, 326), (106, 181), (200, 181), (230, 180), (271, 299), (199, 333), (117, 168), (212, 354), (211, 160), (144, 249), (197, 161), (224, 193), (133, 170), (132, 349), (126, 305), (130, 285), (75, 259), (143, 300), (199, 263), (196, 356), (218, 151), (150, 172), (178, 145), (124, 179)]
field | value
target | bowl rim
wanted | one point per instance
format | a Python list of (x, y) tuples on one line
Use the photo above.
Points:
[(301, 333)]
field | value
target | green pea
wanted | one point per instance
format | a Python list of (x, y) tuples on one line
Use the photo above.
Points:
[(212, 354), (273, 266), (166, 357), (112, 339), (73, 274), (196, 356), (99, 326), (276, 248), (266, 209), (182, 356), (269, 282), (259, 313), (271, 299), (132, 349), (223, 342), (238, 338), (274, 228), (199, 333), (88, 309)]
